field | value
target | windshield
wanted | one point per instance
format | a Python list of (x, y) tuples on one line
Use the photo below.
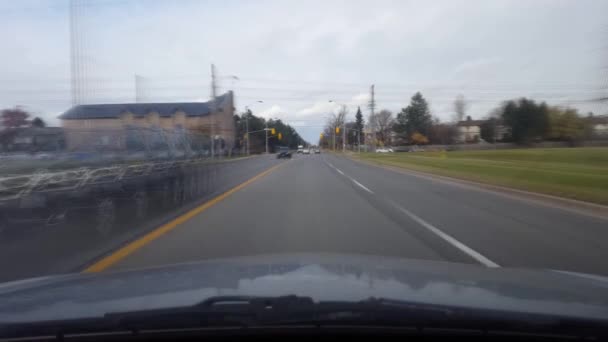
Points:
[(139, 134)]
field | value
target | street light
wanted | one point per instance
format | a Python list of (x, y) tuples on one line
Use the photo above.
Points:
[(247, 121)]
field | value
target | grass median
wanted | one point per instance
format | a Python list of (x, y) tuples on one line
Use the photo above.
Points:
[(576, 173)]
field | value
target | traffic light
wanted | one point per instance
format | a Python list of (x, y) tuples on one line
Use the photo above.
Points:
[(280, 136), (321, 136), (272, 131), (337, 130)]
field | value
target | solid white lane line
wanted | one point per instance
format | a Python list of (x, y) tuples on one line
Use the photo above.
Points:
[(472, 253), (360, 185), (340, 172)]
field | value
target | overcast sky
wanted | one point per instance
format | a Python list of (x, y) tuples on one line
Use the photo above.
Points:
[(297, 55)]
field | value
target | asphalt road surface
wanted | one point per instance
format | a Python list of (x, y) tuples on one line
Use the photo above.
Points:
[(327, 203)]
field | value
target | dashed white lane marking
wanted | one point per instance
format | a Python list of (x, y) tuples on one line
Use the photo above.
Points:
[(469, 251), (351, 179), (461, 246), (360, 185)]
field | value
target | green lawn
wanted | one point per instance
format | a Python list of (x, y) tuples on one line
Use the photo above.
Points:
[(578, 173)]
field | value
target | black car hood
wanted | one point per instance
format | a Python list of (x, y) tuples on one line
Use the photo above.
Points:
[(320, 276)]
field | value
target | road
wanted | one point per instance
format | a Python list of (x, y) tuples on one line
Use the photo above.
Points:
[(328, 203)]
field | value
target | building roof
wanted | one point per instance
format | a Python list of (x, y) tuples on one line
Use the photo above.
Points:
[(469, 123), (114, 110)]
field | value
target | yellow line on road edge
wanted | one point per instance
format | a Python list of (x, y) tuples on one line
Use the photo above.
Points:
[(128, 249)]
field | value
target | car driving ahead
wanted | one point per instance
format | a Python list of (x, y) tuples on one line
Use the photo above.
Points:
[(283, 152)]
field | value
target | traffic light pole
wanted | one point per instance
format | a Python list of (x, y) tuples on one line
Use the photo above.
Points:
[(344, 136), (334, 140)]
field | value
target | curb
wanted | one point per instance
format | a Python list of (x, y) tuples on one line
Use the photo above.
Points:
[(580, 207)]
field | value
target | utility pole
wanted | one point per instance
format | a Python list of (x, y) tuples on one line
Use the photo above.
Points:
[(359, 140), (334, 140), (213, 110), (247, 128), (372, 107)]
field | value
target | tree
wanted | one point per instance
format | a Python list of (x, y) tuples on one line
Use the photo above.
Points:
[(488, 130), (336, 120), (416, 117), (526, 119), (418, 139), (359, 123), (14, 117), (460, 107), (565, 125), (442, 133), (257, 137), (383, 124), (589, 126), (38, 122)]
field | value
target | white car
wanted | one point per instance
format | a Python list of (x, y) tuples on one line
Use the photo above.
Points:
[(306, 151), (384, 150)]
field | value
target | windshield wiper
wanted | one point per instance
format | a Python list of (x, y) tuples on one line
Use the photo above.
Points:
[(285, 311)]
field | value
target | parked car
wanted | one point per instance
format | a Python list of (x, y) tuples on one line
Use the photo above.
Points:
[(384, 150), (283, 153)]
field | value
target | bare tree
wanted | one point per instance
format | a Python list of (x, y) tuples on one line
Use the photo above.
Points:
[(14, 117), (460, 107), (382, 123), (334, 121)]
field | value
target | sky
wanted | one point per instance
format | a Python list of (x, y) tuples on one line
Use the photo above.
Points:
[(296, 56)]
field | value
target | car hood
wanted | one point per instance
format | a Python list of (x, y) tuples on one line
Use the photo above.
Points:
[(320, 276)]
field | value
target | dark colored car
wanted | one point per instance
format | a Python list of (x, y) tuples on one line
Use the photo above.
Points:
[(308, 293), (283, 152)]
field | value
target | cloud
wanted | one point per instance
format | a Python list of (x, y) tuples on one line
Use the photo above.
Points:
[(275, 111), (496, 49)]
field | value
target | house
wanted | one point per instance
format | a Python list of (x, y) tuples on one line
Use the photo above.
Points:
[(145, 125), (468, 131), (599, 126), (32, 139)]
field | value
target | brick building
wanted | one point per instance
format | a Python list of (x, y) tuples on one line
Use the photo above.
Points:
[(117, 126)]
